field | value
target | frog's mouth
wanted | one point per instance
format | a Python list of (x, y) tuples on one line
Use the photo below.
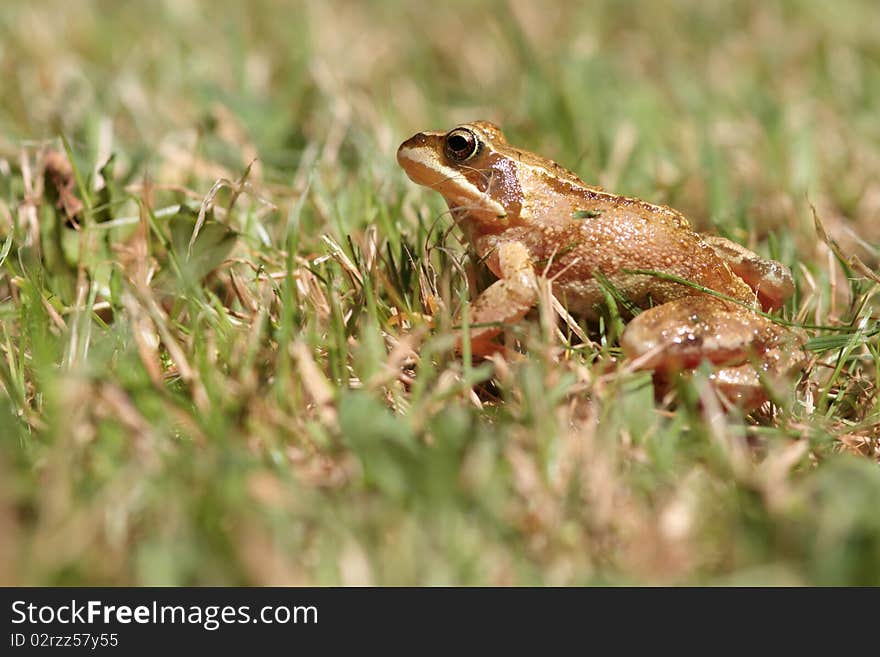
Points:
[(419, 157)]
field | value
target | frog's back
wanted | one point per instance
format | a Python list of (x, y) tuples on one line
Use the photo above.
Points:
[(614, 236)]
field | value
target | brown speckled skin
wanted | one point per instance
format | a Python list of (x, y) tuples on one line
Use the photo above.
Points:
[(545, 219)]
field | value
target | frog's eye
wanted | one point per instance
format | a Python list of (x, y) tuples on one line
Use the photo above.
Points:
[(461, 145)]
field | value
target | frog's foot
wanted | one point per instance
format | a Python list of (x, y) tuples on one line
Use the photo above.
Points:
[(771, 280), (746, 385), (743, 386), (506, 301), (747, 349)]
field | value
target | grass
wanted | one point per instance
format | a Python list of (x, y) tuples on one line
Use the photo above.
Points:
[(225, 313)]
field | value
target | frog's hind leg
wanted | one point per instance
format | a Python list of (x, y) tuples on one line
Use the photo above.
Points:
[(771, 280), (742, 345), (681, 333), (506, 301)]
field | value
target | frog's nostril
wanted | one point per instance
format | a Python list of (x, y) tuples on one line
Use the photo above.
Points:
[(407, 151), (419, 140)]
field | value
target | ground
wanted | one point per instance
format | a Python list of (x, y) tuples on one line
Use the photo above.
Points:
[(226, 336)]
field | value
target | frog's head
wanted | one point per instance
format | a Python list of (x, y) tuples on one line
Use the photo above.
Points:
[(470, 166)]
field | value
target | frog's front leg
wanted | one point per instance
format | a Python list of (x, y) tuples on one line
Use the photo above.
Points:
[(506, 301), (678, 335)]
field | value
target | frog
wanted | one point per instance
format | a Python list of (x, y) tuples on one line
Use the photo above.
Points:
[(699, 298)]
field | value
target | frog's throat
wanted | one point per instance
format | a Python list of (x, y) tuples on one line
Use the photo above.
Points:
[(424, 168)]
